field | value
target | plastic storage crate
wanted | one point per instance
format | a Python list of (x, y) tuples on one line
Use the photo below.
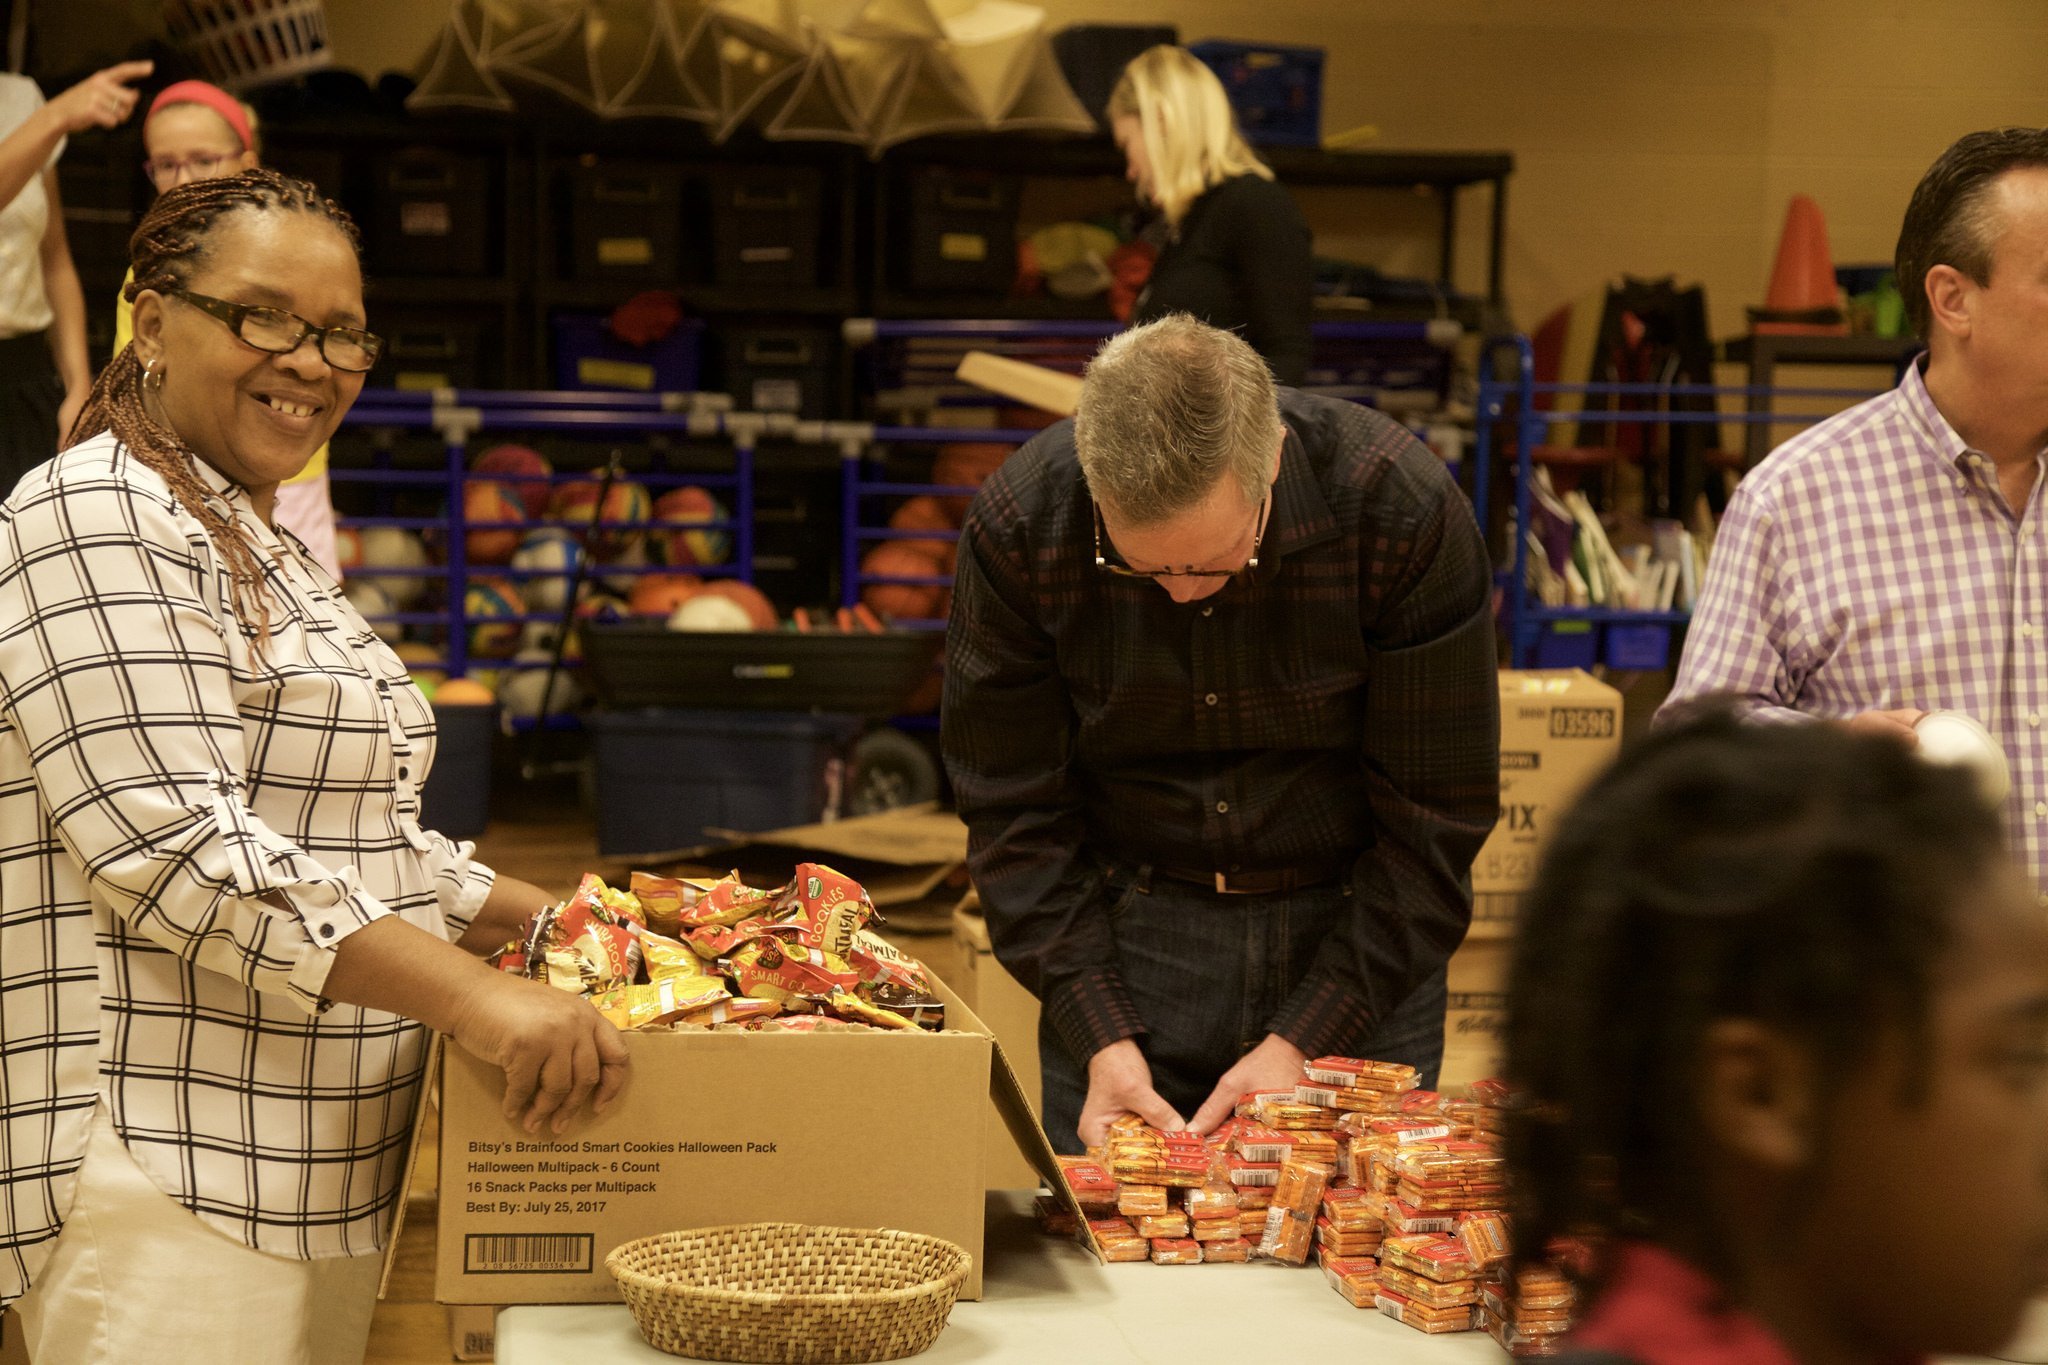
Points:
[(431, 214), (589, 356), (1640, 648), (638, 663), (766, 222), (625, 222), (665, 779), (1568, 644), (456, 797), (1276, 90)]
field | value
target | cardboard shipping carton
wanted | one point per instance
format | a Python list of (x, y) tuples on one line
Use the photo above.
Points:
[(853, 1129), (1558, 729), (1474, 1023), (1011, 1014)]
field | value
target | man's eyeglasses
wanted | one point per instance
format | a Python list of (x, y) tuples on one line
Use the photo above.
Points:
[(1122, 570), (163, 172), (280, 333)]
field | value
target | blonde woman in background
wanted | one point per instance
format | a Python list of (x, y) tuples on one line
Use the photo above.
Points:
[(196, 131), (1237, 254)]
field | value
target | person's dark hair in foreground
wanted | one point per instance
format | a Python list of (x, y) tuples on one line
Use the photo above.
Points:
[(1779, 1013)]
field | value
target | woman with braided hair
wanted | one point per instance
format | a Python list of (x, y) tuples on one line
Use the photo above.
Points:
[(221, 922), (1779, 1014)]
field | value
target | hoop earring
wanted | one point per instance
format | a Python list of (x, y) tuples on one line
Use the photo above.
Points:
[(152, 377)]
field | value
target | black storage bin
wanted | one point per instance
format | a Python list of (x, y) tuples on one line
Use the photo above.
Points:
[(455, 800), (625, 222), (320, 167), (431, 214), (665, 779), (1093, 56), (779, 369), (434, 349), (963, 232), (766, 222), (645, 664)]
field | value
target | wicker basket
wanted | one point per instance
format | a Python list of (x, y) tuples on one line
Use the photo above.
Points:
[(788, 1292), (241, 45)]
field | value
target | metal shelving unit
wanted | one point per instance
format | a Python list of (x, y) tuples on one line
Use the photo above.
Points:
[(1510, 402)]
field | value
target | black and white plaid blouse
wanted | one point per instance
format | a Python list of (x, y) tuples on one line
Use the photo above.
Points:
[(188, 828)]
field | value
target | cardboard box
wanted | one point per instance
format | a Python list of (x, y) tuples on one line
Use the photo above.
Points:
[(1558, 729), (854, 1129), (1476, 1017), (473, 1331), (1011, 1014), (12, 1352)]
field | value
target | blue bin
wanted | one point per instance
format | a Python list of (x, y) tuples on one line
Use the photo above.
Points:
[(1276, 90), (1568, 644), (456, 797), (1640, 648), (588, 356), (666, 778)]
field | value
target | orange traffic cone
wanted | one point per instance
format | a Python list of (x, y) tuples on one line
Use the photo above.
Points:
[(1803, 298)]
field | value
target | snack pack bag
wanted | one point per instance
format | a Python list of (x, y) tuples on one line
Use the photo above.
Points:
[(664, 899), (660, 1003), (825, 908)]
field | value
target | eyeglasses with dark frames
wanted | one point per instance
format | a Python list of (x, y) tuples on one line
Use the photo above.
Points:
[(1110, 566), (280, 333), (163, 171)]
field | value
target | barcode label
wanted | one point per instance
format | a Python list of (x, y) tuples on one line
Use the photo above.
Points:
[(527, 1253)]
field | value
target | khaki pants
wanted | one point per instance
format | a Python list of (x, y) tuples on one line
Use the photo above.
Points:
[(135, 1277)]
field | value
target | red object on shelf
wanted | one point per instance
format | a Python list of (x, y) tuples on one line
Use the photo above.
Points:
[(1803, 279)]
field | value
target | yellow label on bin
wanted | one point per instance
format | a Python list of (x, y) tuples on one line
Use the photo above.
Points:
[(963, 246), (615, 374), (625, 251), (420, 381)]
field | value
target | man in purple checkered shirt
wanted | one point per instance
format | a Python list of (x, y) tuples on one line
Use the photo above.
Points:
[(1889, 561)]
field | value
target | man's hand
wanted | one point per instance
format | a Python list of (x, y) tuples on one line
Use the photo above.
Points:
[(1119, 1083), (1891, 724), (104, 99), (557, 1052), (1273, 1065)]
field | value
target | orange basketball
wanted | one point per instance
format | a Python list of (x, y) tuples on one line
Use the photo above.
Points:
[(758, 608), (489, 500), (906, 559), (923, 514), (659, 594), (966, 464)]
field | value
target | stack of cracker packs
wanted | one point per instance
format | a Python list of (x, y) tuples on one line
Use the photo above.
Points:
[(1396, 1192), (670, 953)]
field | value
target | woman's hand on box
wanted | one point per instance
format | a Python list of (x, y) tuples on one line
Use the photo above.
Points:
[(557, 1052)]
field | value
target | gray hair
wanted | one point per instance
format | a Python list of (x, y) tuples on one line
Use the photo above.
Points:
[(1169, 409)]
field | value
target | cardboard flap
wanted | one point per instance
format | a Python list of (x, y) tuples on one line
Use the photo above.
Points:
[(430, 1079), (908, 836), (1007, 1094)]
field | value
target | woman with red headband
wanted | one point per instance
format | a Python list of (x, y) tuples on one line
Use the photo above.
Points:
[(196, 131), (44, 373)]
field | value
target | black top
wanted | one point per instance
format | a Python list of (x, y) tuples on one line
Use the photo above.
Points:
[(1241, 261), (1337, 702)]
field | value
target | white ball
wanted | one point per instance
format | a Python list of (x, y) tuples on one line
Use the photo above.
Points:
[(393, 547), (520, 691), (710, 611), (551, 550), (368, 597), (1954, 739)]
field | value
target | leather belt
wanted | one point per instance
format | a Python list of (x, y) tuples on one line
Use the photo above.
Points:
[(1262, 882)]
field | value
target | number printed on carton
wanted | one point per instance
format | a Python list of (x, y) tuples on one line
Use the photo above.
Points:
[(1582, 722)]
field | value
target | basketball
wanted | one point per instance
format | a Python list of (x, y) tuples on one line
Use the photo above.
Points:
[(524, 471), (493, 603), (627, 502), (925, 513), (550, 553), (368, 597), (521, 691), (487, 500), (388, 548), (967, 464), (761, 613), (464, 692), (688, 546), (659, 594), (711, 611), (421, 660), (908, 559)]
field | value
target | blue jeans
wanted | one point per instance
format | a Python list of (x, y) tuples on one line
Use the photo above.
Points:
[(1207, 972)]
